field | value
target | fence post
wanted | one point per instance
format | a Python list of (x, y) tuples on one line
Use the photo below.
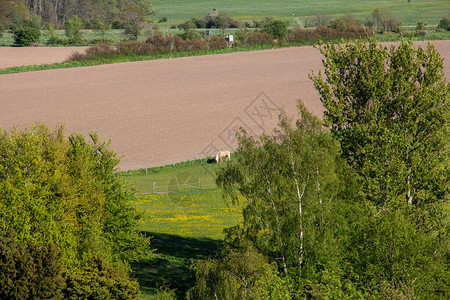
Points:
[(154, 186)]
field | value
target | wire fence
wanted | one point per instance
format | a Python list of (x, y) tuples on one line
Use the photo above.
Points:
[(175, 188)]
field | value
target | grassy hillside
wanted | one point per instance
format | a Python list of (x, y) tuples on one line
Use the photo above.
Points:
[(408, 13)]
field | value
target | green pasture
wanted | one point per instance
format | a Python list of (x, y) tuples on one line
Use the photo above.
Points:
[(408, 13), (184, 226), (178, 178), (184, 221)]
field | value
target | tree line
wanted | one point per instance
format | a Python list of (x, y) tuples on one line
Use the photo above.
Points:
[(58, 12)]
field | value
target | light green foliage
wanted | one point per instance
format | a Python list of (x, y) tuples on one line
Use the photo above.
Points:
[(238, 275), (389, 110), (55, 191), (73, 30), (291, 186)]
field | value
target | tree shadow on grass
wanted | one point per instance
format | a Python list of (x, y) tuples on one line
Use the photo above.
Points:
[(170, 265)]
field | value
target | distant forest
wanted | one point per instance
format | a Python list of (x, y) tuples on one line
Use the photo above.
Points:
[(57, 12)]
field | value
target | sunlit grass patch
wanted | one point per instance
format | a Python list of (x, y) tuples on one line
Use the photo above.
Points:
[(188, 214)]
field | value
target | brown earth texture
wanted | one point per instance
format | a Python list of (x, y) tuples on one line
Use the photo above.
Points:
[(164, 111)]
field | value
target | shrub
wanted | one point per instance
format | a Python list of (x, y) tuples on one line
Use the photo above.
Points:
[(302, 35), (26, 35), (29, 272), (217, 42), (444, 23), (193, 45), (242, 36), (162, 20), (259, 38), (100, 281), (158, 42), (100, 51), (238, 275), (190, 33), (133, 48)]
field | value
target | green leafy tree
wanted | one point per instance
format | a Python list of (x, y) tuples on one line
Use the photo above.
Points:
[(276, 28), (98, 280), (64, 192), (134, 20), (73, 30), (389, 109), (102, 28), (12, 12), (290, 183), (223, 22)]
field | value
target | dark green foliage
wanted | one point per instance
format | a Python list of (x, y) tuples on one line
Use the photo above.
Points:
[(32, 272), (444, 23), (394, 257), (100, 281), (276, 28), (26, 35)]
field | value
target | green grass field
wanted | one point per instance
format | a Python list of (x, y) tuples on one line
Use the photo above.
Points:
[(408, 13), (185, 222), (295, 12)]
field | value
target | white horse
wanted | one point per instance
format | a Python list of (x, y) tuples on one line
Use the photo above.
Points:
[(221, 154)]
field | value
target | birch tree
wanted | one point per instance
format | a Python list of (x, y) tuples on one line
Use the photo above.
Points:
[(289, 182)]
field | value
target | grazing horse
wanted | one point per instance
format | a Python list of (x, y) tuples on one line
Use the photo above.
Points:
[(221, 154)]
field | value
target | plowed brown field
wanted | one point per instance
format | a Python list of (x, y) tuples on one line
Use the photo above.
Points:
[(164, 111)]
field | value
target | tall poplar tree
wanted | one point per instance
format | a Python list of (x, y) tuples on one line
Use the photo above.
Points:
[(389, 108)]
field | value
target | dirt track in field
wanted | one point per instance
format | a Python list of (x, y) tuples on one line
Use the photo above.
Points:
[(164, 111)]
